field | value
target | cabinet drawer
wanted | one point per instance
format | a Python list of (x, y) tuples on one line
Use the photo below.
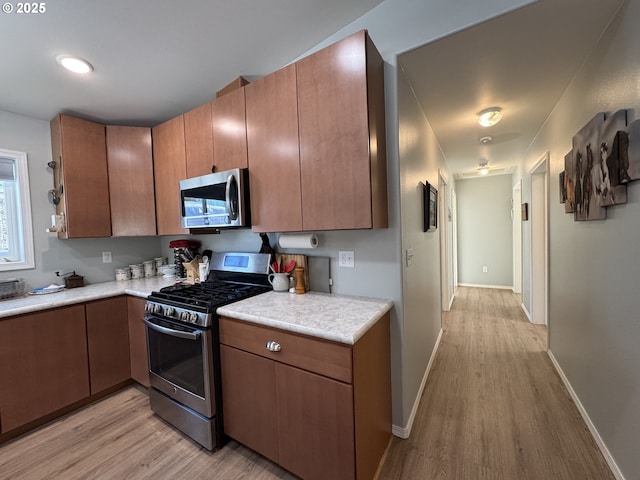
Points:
[(325, 358)]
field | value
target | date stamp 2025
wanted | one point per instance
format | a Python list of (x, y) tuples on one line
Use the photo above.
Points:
[(32, 8)]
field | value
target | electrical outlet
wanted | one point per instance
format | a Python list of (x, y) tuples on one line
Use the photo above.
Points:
[(485, 269), (106, 257), (346, 258)]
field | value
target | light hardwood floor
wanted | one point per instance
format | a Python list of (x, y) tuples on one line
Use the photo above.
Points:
[(493, 408)]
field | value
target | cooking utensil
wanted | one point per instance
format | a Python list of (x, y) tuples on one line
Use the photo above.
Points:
[(290, 266), (274, 267)]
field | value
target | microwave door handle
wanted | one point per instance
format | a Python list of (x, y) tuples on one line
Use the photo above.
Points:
[(232, 214), (174, 333)]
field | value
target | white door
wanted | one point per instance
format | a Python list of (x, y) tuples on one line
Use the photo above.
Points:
[(538, 215)]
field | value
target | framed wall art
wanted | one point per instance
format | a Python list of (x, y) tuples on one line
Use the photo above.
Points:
[(430, 207)]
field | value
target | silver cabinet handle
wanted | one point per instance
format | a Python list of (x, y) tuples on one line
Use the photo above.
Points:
[(273, 346)]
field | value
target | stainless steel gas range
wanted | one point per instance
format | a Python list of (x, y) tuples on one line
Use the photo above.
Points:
[(183, 341)]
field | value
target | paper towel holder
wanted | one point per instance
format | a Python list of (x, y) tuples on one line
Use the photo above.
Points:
[(300, 241)]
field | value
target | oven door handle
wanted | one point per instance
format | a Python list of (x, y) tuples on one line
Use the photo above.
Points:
[(174, 333)]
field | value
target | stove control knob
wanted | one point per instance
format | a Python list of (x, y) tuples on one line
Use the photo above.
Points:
[(169, 311), (184, 316), (193, 318), (147, 307), (157, 308)]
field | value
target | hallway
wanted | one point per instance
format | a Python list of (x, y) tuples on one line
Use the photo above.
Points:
[(494, 408)]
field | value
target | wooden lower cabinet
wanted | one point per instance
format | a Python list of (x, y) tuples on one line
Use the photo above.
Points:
[(43, 364), (317, 419), (138, 350), (249, 405), (108, 343), (315, 424)]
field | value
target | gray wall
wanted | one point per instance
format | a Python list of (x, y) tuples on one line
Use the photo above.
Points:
[(485, 231), (30, 135), (593, 306)]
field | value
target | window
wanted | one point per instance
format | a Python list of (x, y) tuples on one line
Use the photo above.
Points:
[(16, 232)]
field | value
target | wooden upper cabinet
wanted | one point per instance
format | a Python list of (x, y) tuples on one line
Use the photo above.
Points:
[(342, 136), (198, 136), (80, 176), (229, 131), (169, 169), (274, 160), (130, 160)]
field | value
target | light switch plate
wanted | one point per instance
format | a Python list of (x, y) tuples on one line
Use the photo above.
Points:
[(409, 256)]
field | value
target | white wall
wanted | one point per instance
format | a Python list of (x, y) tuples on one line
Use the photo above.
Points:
[(594, 266), (30, 135), (485, 231)]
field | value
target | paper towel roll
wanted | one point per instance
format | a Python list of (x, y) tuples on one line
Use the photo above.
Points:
[(302, 240)]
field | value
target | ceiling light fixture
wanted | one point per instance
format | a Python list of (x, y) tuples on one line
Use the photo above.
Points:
[(485, 140), (490, 116), (483, 168), (74, 64)]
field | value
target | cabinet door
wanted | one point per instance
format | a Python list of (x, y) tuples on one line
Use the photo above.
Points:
[(131, 193), (335, 137), (43, 364), (229, 131), (274, 160), (108, 343), (198, 137), (315, 425), (169, 169), (248, 400), (79, 148), (138, 351)]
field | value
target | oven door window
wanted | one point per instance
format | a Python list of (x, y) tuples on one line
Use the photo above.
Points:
[(177, 360)]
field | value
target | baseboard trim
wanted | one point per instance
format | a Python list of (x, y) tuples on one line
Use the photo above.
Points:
[(405, 432), (526, 312), (479, 285), (592, 428)]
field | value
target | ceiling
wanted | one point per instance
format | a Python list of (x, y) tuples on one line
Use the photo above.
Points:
[(153, 59), (521, 62)]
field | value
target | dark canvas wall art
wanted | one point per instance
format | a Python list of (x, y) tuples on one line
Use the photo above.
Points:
[(585, 154)]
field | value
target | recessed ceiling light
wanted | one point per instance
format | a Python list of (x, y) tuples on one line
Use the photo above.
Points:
[(74, 64), (490, 116), (483, 168), (485, 140)]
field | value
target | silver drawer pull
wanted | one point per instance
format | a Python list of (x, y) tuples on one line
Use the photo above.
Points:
[(273, 346)]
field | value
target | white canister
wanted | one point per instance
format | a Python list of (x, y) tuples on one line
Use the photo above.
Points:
[(159, 261), (137, 271), (123, 274), (149, 268)]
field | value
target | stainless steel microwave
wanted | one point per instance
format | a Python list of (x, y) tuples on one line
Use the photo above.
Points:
[(216, 200)]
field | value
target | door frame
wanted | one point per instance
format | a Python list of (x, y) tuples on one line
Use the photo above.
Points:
[(539, 216), (516, 215), (446, 248)]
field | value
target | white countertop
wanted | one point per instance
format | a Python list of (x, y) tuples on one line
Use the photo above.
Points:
[(32, 303), (339, 318), (333, 317)]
